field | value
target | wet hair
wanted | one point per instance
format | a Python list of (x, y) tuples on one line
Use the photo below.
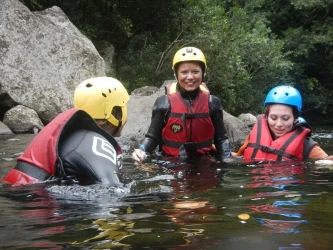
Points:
[(117, 113), (294, 109)]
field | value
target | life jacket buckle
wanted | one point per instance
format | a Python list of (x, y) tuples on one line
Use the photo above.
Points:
[(190, 116), (264, 148), (269, 150)]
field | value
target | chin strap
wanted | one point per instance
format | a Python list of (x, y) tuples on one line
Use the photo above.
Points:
[(120, 123)]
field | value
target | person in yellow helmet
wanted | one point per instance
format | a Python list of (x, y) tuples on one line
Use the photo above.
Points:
[(104, 99), (188, 120), (78, 146)]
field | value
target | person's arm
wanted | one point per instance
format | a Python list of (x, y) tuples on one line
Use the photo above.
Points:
[(154, 134), (318, 153), (240, 151), (221, 141)]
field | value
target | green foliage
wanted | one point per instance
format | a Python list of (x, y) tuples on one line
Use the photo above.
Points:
[(306, 28), (146, 60), (139, 65), (250, 46), (32, 4), (243, 57)]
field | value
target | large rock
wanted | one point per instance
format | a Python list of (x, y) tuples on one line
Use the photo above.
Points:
[(107, 52), (248, 119), (21, 119), (145, 91), (43, 58), (237, 130), (139, 116), (5, 132)]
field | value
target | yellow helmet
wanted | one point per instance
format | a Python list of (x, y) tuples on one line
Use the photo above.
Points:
[(98, 96), (189, 54)]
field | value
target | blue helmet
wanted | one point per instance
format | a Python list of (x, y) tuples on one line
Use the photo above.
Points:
[(284, 95)]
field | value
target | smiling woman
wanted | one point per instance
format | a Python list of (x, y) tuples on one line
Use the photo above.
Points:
[(281, 134), (188, 120)]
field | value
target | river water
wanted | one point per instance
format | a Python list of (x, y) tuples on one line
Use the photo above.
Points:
[(192, 205)]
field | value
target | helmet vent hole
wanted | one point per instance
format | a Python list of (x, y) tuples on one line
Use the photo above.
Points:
[(109, 90), (194, 53), (103, 94), (89, 85), (184, 54), (286, 94)]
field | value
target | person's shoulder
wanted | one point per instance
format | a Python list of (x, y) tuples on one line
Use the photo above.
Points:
[(214, 99), (215, 102), (308, 140), (161, 102)]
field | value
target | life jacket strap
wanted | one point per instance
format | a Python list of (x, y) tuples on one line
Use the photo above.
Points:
[(189, 146), (189, 115), (273, 151), (32, 170)]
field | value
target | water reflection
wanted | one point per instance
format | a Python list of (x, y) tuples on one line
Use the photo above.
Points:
[(29, 217), (171, 205), (277, 175)]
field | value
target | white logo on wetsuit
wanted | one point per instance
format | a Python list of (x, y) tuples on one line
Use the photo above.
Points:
[(104, 149)]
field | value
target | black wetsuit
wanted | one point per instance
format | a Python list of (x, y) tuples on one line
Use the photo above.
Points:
[(160, 115), (89, 158), (73, 148)]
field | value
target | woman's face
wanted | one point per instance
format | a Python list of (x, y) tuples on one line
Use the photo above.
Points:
[(189, 75), (280, 119)]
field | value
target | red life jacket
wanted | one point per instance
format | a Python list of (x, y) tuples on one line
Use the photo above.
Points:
[(189, 128), (41, 157), (261, 145)]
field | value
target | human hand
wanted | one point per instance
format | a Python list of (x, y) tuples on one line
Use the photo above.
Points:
[(324, 162), (138, 156)]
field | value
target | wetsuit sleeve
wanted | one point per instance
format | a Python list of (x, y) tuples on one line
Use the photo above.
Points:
[(241, 150), (153, 136), (89, 158), (221, 141)]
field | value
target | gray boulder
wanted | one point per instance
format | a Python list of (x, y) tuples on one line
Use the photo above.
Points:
[(5, 132), (248, 119), (107, 52), (21, 119), (139, 116), (43, 58), (237, 130), (145, 91)]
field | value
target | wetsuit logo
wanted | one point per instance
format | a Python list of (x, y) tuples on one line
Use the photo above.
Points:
[(176, 128), (104, 149)]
